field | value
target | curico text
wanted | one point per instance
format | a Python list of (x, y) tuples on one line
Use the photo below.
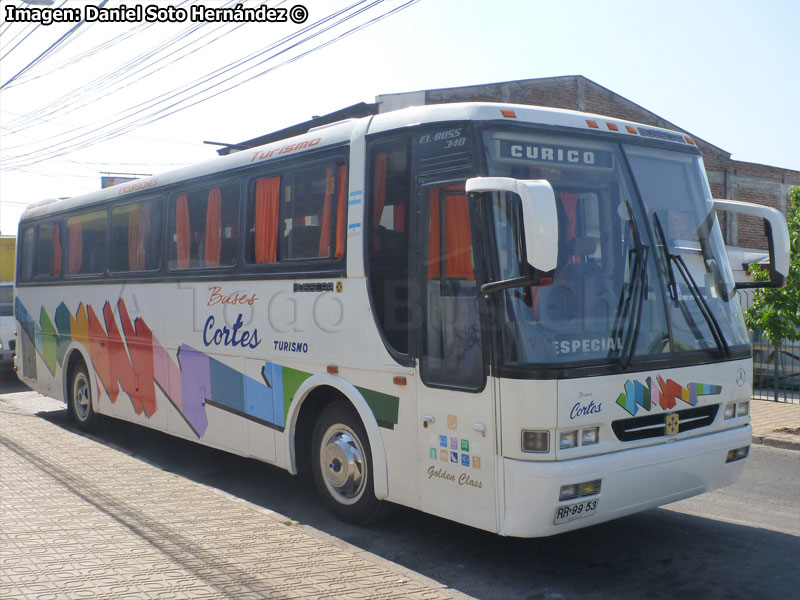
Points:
[(222, 336), (556, 154)]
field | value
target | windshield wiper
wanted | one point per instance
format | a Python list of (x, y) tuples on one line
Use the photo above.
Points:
[(705, 311), (630, 305)]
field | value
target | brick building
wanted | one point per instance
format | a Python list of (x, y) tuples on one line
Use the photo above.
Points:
[(732, 179)]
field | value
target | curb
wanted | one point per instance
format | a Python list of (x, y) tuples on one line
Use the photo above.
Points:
[(775, 442)]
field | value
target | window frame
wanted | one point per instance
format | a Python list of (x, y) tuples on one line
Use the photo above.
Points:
[(309, 266), (65, 247), (162, 199), (189, 187)]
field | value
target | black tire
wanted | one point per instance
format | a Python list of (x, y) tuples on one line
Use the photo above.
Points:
[(79, 404), (341, 460)]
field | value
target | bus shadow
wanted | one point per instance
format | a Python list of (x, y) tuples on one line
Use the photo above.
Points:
[(656, 554)]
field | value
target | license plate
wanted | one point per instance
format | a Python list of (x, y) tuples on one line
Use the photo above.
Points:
[(570, 512)]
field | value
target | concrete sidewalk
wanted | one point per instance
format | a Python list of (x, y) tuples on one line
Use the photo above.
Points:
[(82, 520), (775, 424)]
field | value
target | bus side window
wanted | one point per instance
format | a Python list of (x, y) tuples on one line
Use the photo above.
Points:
[(27, 253), (48, 256), (136, 236), (387, 243), (205, 227), (312, 213), (86, 243)]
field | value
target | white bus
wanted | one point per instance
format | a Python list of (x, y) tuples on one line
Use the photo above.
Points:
[(517, 318)]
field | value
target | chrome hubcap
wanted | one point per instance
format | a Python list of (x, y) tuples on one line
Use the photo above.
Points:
[(342, 464), (81, 396)]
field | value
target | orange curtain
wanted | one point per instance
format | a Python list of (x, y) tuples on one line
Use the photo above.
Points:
[(56, 269), (266, 219), (341, 220), (75, 247), (182, 230), (458, 236), (213, 227), (325, 235), (138, 229), (458, 241), (379, 199)]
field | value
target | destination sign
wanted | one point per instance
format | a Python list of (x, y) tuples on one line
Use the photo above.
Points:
[(548, 153)]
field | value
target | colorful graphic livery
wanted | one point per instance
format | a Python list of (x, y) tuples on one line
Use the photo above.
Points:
[(665, 395), (195, 381)]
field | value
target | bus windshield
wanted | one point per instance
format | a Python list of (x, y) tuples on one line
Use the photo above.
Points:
[(642, 271)]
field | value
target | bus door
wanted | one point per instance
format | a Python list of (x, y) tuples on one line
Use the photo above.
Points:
[(456, 400)]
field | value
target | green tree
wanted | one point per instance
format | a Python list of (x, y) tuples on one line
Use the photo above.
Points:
[(776, 311)]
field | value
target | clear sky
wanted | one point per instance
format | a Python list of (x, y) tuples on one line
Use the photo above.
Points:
[(727, 71)]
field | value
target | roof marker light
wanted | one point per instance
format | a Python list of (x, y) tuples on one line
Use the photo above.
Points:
[(592, 124), (612, 126), (689, 140), (508, 114), (631, 129)]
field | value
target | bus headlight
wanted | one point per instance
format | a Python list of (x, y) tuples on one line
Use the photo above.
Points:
[(590, 436), (535, 441), (743, 409), (730, 411), (568, 439)]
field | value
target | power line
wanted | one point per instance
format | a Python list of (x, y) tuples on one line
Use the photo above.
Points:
[(69, 102), (185, 89), (157, 112)]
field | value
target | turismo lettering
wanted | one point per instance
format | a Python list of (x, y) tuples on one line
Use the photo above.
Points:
[(283, 346), (222, 336), (262, 154)]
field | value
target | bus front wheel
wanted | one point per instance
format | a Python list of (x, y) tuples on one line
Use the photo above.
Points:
[(80, 398), (342, 464)]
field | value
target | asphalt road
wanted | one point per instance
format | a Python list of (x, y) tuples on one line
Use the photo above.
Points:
[(739, 542)]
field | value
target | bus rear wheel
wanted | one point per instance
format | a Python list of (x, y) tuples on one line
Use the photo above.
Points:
[(342, 465), (80, 398)]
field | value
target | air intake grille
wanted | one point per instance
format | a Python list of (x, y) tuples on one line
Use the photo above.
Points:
[(654, 426)]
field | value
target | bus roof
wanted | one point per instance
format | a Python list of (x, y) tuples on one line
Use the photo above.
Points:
[(339, 133)]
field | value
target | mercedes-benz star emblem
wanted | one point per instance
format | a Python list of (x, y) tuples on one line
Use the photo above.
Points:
[(741, 377)]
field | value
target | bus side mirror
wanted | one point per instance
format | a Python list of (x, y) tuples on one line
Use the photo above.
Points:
[(539, 216), (777, 234)]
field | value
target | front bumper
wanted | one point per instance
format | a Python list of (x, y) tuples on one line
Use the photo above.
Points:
[(632, 481)]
